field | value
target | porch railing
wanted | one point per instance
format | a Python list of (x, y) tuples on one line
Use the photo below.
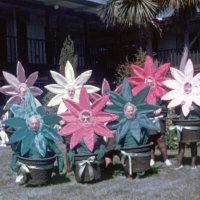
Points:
[(174, 56)]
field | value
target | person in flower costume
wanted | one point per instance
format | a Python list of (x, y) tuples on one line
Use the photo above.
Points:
[(185, 97), (132, 123), (18, 85), (152, 77), (86, 124), (68, 87), (33, 135)]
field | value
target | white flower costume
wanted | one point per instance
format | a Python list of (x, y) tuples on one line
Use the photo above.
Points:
[(185, 88), (68, 87)]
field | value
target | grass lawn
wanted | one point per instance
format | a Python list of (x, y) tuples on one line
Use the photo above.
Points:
[(162, 183)]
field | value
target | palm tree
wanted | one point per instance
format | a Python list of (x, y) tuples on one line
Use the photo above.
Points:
[(143, 13)]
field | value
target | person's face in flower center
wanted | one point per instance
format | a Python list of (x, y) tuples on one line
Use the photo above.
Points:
[(34, 123), (149, 81), (85, 118), (188, 88), (71, 92), (22, 90), (129, 111)]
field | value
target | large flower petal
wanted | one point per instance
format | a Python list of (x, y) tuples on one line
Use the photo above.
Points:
[(11, 79), (55, 100), (91, 88), (32, 79), (173, 94), (20, 73), (151, 98), (72, 106), (59, 79), (176, 102), (189, 70), (56, 89), (70, 128), (101, 130), (105, 117), (105, 86), (69, 73), (172, 84), (99, 104), (62, 108), (9, 90), (75, 139), (138, 88), (178, 75), (89, 139), (161, 70), (84, 101), (69, 116), (12, 100), (148, 66), (36, 91), (83, 78), (138, 71)]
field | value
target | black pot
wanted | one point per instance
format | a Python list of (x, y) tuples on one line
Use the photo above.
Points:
[(141, 160), (190, 131), (40, 169)]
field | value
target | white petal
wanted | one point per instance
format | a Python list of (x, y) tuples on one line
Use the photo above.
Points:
[(171, 95), (69, 72), (59, 78), (56, 89), (172, 84), (185, 109), (91, 88), (197, 101), (55, 100), (175, 102), (189, 70), (83, 78), (178, 75), (62, 108), (37, 102), (196, 80)]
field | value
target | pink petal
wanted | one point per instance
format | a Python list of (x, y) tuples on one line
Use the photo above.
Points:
[(137, 89), (118, 89), (84, 99), (32, 79), (12, 100), (36, 91), (9, 90), (159, 91), (104, 117), (75, 139), (148, 66), (94, 96), (135, 80), (138, 71), (72, 106), (161, 71), (103, 131), (105, 86), (89, 139), (67, 116), (20, 73), (99, 104), (151, 98), (70, 128), (12, 80)]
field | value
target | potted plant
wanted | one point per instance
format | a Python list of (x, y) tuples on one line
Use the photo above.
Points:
[(86, 124), (131, 127), (153, 77), (35, 152), (185, 97)]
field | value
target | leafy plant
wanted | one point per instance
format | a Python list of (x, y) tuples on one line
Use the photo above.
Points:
[(67, 54)]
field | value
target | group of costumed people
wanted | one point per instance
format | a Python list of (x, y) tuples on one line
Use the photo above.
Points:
[(96, 124)]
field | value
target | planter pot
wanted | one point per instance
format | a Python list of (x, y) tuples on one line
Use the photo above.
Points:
[(87, 168), (136, 159), (187, 130), (40, 170)]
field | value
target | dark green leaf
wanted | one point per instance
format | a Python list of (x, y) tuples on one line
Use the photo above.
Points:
[(147, 108), (141, 96), (15, 123), (126, 91), (27, 142), (51, 119), (51, 133), (40, 143), (17, 136)]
